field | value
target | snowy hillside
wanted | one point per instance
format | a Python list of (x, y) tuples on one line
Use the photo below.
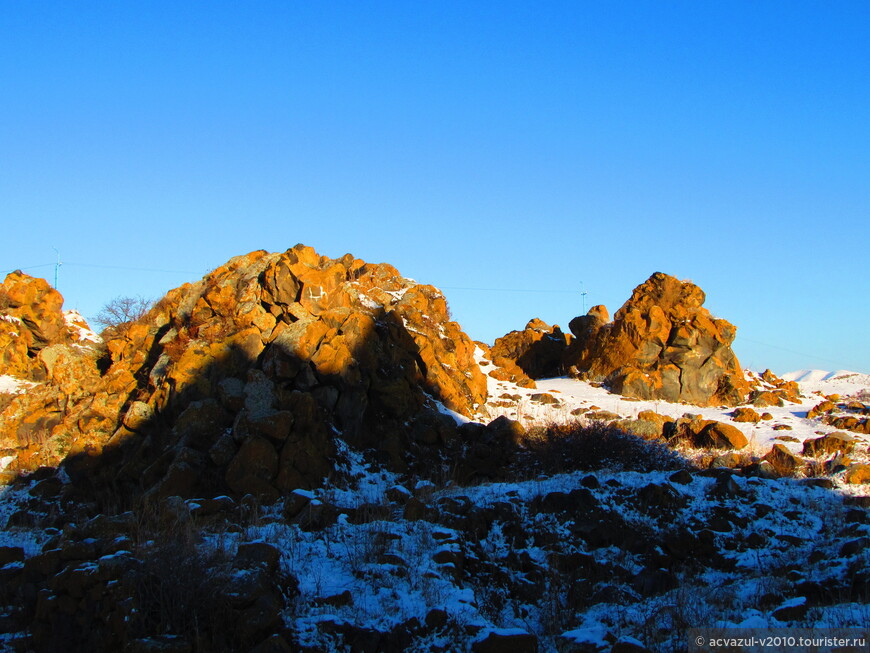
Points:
[(841, 381), (562, 400)]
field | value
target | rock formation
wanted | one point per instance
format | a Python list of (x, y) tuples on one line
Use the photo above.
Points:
[(243, 379), (662, 344), (31, 321), (537, 350)]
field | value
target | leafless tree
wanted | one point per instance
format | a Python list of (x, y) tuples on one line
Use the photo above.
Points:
[(121, 312)]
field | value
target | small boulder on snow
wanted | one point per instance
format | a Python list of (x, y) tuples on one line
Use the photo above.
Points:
[(506, 640)]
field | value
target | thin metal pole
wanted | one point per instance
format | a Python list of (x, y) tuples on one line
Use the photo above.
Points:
[(56, 267)]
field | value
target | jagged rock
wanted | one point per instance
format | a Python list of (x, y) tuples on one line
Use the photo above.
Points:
[(765, 398), (822, 408), (280, 351), (746, 414), (857, 473), (829, 444), (662, 344), (31, 320), (784, 462), (506, 369), (538, 349), (770, 390)]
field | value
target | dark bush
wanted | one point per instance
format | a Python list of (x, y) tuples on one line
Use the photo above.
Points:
[(574, 446)]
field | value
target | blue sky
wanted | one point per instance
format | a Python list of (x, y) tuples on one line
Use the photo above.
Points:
[(511, 153)]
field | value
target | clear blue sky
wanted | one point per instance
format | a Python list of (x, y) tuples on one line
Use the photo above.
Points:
[(503, 146)]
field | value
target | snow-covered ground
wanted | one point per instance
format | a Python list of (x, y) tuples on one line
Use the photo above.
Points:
[(495, 558), (506, 398)]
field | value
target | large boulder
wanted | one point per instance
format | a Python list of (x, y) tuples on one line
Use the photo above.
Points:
[(662, 344), (538, 349), (241, 381)]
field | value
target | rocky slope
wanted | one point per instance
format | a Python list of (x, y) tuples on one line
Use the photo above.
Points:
[(241, 380), (266, 462)]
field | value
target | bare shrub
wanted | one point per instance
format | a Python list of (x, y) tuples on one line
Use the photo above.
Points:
[(120, 312), (175, 594), (577, 446)]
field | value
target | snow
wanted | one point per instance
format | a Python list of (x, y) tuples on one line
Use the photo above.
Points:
[(594, 635), (11, 385), (369, 303), (441, 408), (825, 382), (506, 398), (794, 603), (78, 326), (387, 565)]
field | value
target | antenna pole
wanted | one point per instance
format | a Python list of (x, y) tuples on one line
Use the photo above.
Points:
[(56, 267), (583, 296)]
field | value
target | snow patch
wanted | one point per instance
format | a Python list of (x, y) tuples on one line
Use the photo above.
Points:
[(13, 386)]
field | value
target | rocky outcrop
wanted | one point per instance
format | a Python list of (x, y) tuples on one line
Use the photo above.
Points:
[(767, 389), (662, 344), (243, 379), (32, 320), (538, 349)]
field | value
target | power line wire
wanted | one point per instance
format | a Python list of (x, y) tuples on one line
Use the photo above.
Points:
[(29, 267), (790, 351), (102, 267), (120, 267), (569, 292)]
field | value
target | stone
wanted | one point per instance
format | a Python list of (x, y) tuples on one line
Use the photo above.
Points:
[(662, 344), (274, 643), (783, 461), (699, 432), (829, 444), (506, 640), (537, 350), (253, 468), (857, 473), (648, 430), (764, 398), (745, 414), (257, 554), (628, 645), (822, 408), (723, 436)]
